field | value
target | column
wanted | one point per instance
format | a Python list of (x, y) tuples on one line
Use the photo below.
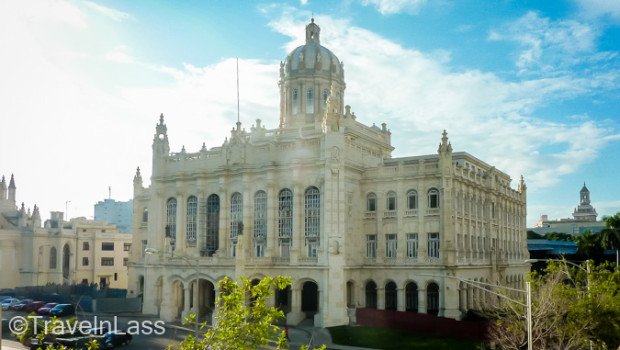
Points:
[(422, 300), (400, 299), (186, 302), (381, 297), (181, 226), (295, 316)]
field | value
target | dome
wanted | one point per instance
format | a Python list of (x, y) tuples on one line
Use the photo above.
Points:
[(312, 56)]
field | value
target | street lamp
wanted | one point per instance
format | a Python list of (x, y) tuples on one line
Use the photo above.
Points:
[(149, 251), (527, 305)]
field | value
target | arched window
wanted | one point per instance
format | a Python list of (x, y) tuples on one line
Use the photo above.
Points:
[(295, 101), (192, 220), (432, 299), (390, 296), (213, 225), (312, 219), (66, 254), (145, 215), (371, 202), (309, 101), (171, 218), (325, 95), (412, 199), (285, 221), (53, 257), (433, 198), (260, 222), (236, 215), (391, 201), (371, 295), (411, 297)]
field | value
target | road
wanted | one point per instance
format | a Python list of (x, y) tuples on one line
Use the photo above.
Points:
[(146, 334)]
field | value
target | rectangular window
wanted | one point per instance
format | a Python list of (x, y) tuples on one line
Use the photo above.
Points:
[(285, 245), (309, 101), (84, 261), (391, 203), (371, 246), (125, 261), (126, 247), (412, 245), (433, 245), (390, 245), (107, 261), (312, 246), (295, 101), (108, 246), (85, 246), (260, 249)]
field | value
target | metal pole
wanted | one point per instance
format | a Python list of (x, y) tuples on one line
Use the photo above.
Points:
[(528, 288)]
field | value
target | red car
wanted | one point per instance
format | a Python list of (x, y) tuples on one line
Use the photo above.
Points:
[(45, 309), (34, 306), (23, 305)]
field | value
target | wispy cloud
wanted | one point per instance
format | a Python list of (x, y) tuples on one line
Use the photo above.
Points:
[(600, 8), (111, 13), (389, 7), (547, 44), (494, 119)]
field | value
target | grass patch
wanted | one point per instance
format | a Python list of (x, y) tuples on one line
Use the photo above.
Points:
[(392, 339)]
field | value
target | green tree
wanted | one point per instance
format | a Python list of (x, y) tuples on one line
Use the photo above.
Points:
[(610, 235), (533, 235), (571, 309), (589, 246), (559, 236), (243, 320)]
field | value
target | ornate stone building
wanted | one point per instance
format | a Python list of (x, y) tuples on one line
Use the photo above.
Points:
[(321, 199), (57, 251)]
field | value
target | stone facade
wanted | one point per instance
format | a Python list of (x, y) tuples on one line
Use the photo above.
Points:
[(34, 254), (321, 199)]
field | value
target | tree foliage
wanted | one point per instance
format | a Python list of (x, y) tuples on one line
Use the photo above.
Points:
[(610, 235), (571, 309), (243, 319)]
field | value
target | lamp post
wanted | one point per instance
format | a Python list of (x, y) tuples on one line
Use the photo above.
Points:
[(527, 305), (147, 251), (586, 270)]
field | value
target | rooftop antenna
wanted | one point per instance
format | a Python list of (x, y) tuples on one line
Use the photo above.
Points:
[(237, 89)]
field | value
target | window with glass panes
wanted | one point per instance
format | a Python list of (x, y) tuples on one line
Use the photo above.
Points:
[(192, 220), (371, 246), (412, 245), (433, 245), (390, 245)]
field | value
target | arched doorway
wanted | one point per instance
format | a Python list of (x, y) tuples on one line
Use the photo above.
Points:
[(178, 297), (432, 299), (282, 299), (390, 296), (371, 295), (310, 299), (411, 297), (66, 254), (206, 300)]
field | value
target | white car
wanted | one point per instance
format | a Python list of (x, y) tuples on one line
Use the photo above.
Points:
[(9, 302)]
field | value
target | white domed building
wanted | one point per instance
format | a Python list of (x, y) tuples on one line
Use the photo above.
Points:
[(321, 199)]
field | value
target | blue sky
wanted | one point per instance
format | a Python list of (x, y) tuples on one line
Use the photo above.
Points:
[(531, 87)]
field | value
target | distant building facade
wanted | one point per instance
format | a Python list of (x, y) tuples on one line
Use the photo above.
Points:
[(78, 251), (320, 199), (116, 212), (584, 219)]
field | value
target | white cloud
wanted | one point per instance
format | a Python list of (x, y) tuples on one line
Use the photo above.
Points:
[(47, 11), (599, 8), (119, 54), (111, 13), (493, 119), (389, 7), (547, 43)]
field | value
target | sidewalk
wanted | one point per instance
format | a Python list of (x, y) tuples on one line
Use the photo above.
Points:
[(12, 345)]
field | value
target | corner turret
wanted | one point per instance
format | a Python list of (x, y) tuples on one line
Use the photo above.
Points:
[(12, 190), (161, 147)]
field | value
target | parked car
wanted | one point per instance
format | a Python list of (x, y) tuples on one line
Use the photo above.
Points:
[(116, 338), (45, 309), (35, 306), (22, 305), (62, 310), (76, 340), (9, 302)]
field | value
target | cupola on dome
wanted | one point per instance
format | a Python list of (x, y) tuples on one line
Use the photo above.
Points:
[(312, 57)]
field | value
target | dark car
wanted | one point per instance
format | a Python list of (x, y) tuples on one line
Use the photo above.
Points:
[(62, 310), (45, 309), (34, 306), (23, 305), (76, 340), (116, 338)]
